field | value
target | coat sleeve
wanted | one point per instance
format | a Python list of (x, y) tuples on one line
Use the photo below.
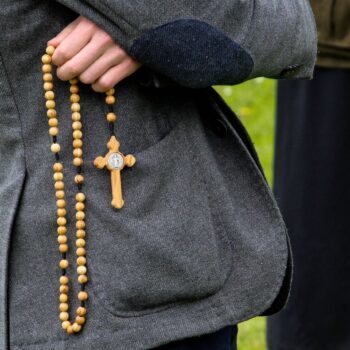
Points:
[(198, 43)]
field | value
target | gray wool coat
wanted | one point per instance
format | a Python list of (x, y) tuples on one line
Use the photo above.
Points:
[(200, 243)]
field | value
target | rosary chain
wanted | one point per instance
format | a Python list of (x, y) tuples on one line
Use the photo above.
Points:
[(58, 177)]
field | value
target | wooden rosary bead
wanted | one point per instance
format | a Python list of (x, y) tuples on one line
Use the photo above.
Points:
[(77, 125), (110, 92), (111, 117), (80, 320), (64, 288), (80, 206), (77, 161), (59, 185), (80, 224), (55, 148), (62, 230), (50, 50), (110, 100), (75, 107), (47, 77), (48, 86), (58, 176), (77, 153), (76, 116), (63, 297), (57, 167), (61, 221), (78, 179), (80, 197), (50, 104), (61, 211), (63, 248), (64, 280), (63, 263), (51, 113), (53, 122), (74, 98), (74, 81), (65, 324), (62, 239), (46, 59), (80, 234), (64, 316), (49, 95), (80, 215), (70, 329), (77, 134), (74, 89), (60, 203), (53, 131), (81, 260), (76, 327), (81, 311), (47, 68), (82, 296), (77, 143), (63, 306), (60, 195), (80, 242), (81, 270), (81, 251), (82, 279)]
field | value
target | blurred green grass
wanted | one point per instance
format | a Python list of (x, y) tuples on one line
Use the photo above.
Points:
[(254, 102)]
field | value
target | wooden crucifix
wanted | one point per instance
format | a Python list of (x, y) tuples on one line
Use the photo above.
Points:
[(115, 161)]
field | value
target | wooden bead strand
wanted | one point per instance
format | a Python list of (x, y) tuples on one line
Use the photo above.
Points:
[(77, 134)]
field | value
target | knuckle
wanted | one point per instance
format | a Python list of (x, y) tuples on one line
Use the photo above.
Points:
[(131, 65), (129, 62), (105, 39), (60, 56), (86, 78), (88, 25), (86, 21), (95, 87), (60, 74), (118, 52), (105, 84), (72, 69)]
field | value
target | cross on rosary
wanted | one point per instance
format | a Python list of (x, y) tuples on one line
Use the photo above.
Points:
[(115, 161)]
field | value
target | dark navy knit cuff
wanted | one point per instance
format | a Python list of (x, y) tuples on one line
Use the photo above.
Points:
[(193, 53)]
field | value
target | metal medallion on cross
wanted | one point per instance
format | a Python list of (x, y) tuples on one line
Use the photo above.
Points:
[(115, 161)]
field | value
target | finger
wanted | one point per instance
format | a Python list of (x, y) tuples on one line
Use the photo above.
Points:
[(115, 74), (55, 41), (86, 56), (112, 56), (73, 42)]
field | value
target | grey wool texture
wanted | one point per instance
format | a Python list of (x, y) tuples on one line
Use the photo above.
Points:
[(200, 243)]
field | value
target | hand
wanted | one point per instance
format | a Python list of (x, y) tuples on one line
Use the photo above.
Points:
[(85, 51)]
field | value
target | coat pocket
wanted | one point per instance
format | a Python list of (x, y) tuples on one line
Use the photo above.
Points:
[(164, 246)]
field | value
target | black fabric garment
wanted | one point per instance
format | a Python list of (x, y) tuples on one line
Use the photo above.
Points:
[(223, 339), (312, 175)]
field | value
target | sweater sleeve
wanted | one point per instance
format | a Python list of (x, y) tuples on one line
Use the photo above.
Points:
[(199, 43)]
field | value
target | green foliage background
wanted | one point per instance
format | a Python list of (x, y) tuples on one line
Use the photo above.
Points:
[(254, 102)]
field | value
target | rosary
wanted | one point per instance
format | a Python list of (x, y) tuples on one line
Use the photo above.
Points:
[(114, 161)]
